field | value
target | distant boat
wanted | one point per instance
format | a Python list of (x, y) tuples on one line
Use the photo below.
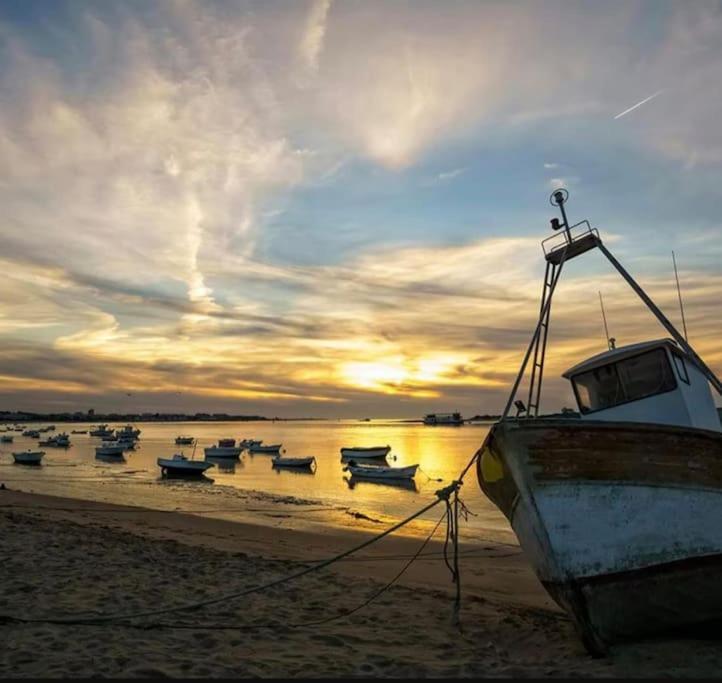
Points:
[(32, 433), (79, 431), (128, 432), (270, 448), (58, 441), (365, 452), (443, 419), (226, 448), (306, 462), (184, 440), (110, 448), (102, 431), (247, 443), (28, 457), (5, 438), (180, 466), (381, 471)]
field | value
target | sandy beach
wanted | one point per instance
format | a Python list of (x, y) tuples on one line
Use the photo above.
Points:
[(64, 556)]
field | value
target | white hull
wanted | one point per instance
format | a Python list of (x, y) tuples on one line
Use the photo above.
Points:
[(620, 522)]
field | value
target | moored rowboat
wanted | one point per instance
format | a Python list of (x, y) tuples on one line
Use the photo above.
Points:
[(28, 457), (365, 452), (226, 448), (381, 471), (179, 465), (259, 448), (280, 461)]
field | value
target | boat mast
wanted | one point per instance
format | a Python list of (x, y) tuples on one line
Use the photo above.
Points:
[(711, 377), (606, 329), (556, 255), (679, 296)]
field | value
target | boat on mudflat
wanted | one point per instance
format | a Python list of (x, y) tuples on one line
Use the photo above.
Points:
[(180, 466), (6, 438), (28, 457), (365, 451), (618, 510), (305, 462), (184, 440), (381, 471)]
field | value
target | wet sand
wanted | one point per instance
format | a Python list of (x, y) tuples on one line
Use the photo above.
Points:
[(98, 558)]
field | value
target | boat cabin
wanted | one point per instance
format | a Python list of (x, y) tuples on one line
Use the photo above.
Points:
[(652, 382)]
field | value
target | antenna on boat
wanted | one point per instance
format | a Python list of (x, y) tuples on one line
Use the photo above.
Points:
[(679, 296), (558, 198), (610, 341)]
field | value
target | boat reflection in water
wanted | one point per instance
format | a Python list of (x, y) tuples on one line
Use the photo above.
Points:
[(406, 484), (225, 465)]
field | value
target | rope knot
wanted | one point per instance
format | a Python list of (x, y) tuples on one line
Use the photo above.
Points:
[(445, 493)]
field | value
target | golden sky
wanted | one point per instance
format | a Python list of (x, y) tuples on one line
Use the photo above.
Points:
[(335, 209)]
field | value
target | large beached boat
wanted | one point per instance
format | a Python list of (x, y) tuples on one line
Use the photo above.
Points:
[(619, 510)]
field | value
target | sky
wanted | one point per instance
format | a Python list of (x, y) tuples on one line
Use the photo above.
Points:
[(334, 208)]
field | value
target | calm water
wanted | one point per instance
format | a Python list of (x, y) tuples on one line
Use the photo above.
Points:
[(251, 489)]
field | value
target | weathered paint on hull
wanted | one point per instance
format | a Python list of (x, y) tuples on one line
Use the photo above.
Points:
[(615, 519)]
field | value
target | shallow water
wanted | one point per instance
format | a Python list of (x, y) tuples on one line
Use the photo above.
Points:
[(251, 489)]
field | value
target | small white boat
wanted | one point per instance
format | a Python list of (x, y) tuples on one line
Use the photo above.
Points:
[(110, 448), (28, 457), (307, 462), (226, 448), (184, 440), (365, 452), (180, 465), (381, 471), (260, 448), (5, 438)]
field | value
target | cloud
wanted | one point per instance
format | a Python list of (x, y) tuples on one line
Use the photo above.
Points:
[(312, 40)]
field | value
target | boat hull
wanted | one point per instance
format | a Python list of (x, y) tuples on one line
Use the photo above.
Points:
[(619, 520), (383, 472), (183, 468), (366, 453), (28, 458), (294, 462), (222, 452), (272, 450)]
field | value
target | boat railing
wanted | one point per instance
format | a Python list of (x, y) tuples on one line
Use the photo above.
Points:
[(579, 238)]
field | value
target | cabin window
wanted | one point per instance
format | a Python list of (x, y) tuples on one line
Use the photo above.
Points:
[(630, 379)]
